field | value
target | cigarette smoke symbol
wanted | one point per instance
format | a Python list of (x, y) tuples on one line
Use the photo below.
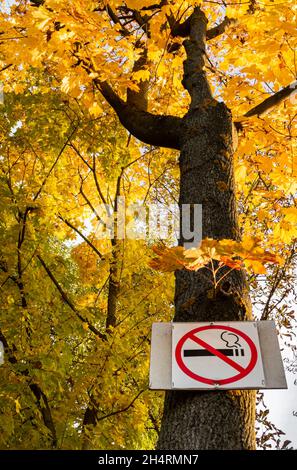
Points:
[(231, 339)]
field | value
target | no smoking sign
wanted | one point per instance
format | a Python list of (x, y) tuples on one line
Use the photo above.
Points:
[(216, 355)]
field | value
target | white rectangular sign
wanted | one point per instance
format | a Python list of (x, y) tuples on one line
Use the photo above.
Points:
[(216, 356), (219, 355)]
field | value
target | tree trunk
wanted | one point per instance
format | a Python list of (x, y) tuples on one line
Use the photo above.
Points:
[(208, 419)]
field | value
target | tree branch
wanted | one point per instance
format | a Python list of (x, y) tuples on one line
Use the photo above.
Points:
[(99, 190), (42, 400), (37, 3), (45, 410), (160, 131), (219, 29), (91, 245), (183, 29), (114, 272), (93, 170), (272, 101), (155, 6), (90, 204), (9, 351), (71, 144), (121, 410), (116, 20), (5, 67), (54, 163), (68, 301), (278, 278)]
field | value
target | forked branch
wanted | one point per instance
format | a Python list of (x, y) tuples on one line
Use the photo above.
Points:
[(157, 130), (183, 29)]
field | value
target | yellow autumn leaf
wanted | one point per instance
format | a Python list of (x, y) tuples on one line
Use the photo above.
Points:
[(284, 231), (290, 214), (256, 266), (169, 259), (43, 17), (141, 75), (228, 252), (17, 405), (249, 242), (95, 109), (240, 173), (138, 3)]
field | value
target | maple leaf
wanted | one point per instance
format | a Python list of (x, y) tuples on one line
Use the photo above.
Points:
[(141, 75), (43, 17), (235, 255), (231, 262), (169, 259)]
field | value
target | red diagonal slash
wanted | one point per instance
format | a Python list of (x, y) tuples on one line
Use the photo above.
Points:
[(217, 353)]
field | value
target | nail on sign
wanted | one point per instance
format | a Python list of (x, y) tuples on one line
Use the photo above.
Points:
[(216, 356)]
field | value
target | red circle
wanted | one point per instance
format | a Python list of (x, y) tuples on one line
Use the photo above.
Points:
[(184, 368)]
